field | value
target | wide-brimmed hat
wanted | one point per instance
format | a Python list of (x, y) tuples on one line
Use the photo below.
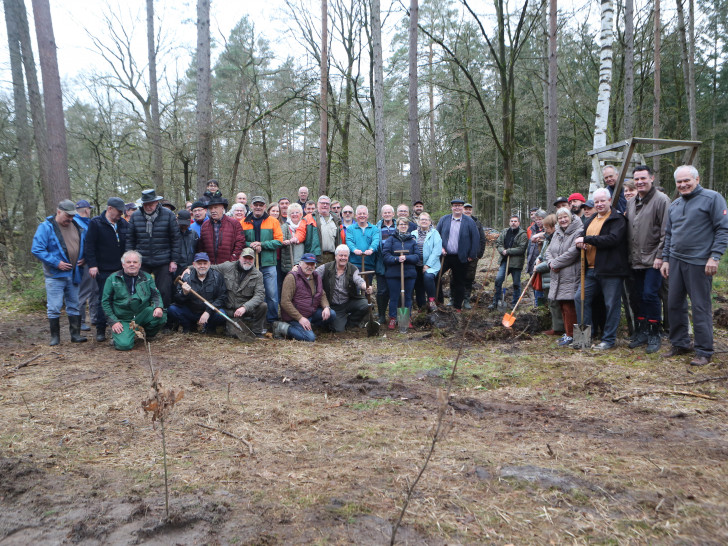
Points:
[(216, 201), (150, 196)]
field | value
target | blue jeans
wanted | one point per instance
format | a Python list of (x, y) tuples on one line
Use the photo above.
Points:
[(501, 276), (296, 331), (430, 281), (188, 318), (611, 289), (395, 294), (270, 281), (647, 284), (58, 290)]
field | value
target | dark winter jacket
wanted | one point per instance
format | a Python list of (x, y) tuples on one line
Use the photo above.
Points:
[(400, 241), (517, 250), (187, 247), (104, 244), (611, 257), (212, 289), (231, 240), (159, 248)]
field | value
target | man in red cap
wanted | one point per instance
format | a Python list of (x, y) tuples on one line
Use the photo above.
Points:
[(576, 200)]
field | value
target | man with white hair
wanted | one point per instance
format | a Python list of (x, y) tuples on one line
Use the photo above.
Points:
[(696, 237), (302, 196), (362, 239), (345, 290), (320, 231), (610, 176), (605, 244)]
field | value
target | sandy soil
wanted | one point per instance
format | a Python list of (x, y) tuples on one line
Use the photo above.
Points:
[(535, 448)]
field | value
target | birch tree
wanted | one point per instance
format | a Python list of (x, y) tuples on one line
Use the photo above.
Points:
[(606, 38), (628, 123)]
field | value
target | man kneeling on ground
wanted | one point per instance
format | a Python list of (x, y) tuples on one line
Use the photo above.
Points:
[(245, 292), (188, 309), (345, 290), (303, 300), (131, 295)]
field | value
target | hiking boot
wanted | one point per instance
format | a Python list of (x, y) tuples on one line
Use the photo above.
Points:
[(55, 331), (677, 351), (392, 323), (74, 326), (654, 341), (100, 334), (639, 337), (700, 360)]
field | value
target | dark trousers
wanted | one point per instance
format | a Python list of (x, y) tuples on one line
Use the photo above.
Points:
[(610, 288), (458, 279), (647, 283), (188, 318), (395, 294), (420, 290), (163, 279), (100, 315), (690, 280), (501, 277), (349, 314)]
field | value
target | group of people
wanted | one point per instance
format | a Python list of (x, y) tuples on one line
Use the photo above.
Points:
[(292, 266), (642, 247), (271, 264)]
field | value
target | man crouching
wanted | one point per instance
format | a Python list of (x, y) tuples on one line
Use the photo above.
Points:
[(188, 310)]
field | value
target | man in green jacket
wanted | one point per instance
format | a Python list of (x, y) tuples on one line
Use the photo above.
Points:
[(131, 295), (511, 245)]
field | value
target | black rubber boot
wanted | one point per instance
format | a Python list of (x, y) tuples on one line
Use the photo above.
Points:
[(74, 326), (382, 302), (100, 333), (639, 337), (55, 331), (654, 339)]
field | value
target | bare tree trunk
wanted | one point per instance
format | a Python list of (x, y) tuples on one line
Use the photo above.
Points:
[(155, 130), (605, 86), (36, 107), (628, 123), (59, 183), (714, 28), (324, 112), (379, 144), (414, 122), (204, 100), (22, 131), (553, 128), (687, 50), (434, 178), (656, 89)]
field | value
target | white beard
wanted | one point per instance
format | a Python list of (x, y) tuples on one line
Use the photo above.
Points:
[(247, 267)]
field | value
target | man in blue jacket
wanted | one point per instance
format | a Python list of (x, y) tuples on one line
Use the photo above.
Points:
[(58, 244), (460, 244)]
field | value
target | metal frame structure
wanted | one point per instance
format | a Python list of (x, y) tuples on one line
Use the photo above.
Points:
[(627, 151)]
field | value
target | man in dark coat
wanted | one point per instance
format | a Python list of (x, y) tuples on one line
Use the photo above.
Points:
[(187, 239), (154, 233), (460, 241), (605, 243), (511, 245), (187, 309), (105, 244)]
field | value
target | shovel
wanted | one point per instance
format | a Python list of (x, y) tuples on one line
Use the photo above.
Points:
[(372, 324), (582, 332), (439, 277), (403, 313), (241, 334), (510, 318)]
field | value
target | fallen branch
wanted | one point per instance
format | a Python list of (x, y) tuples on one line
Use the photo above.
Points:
[(29, 361), (669, 392), (706, 380), (230, 434)]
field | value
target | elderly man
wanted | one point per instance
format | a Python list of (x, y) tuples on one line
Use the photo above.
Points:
[(461, 242), (605, 244), (188, 310), (242, 198), (131, 295), (303, 301), (154, 233), (320, 232), (199, 215), (610, 176), (511, 245), (404, 212), (105, 245), (302, 196), (362, 239), (221, 237), (696, 237), (646, 222), (345, 290), (263, 234), (59, 244), (387, 227), (87, 291), (245, 292), (347, 218)]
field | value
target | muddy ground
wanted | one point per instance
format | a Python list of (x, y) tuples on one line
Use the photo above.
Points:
[(535, 448)]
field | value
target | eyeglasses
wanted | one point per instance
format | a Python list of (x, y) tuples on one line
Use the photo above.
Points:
[(348, 212)]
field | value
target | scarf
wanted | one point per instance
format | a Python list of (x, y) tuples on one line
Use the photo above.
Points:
[(150, 218)]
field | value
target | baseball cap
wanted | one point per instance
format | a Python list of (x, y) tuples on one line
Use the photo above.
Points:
[(130, 206), (457, 201), (183, 217), (201, 256), (466, 205), (117, 203), (248, 252), (308, 258), (257, 199), (83, 204), (589, 204), (561, 200)]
